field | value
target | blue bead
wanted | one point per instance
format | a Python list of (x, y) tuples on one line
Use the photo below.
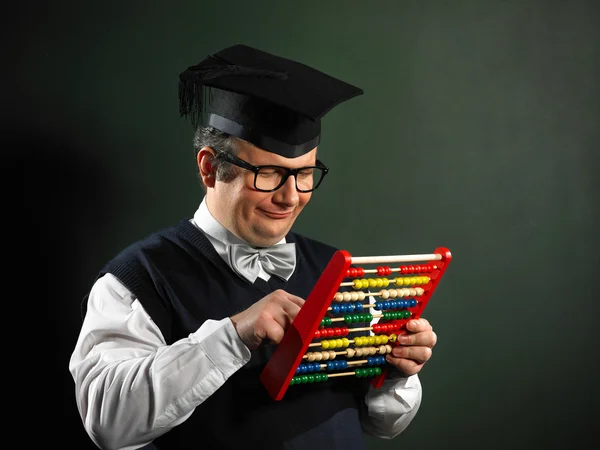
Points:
[(359, 307), (370, 361), (330, 365), (303, 368), (379, 306), (343, 308), (335, 309), (413, 302), (350, 307)]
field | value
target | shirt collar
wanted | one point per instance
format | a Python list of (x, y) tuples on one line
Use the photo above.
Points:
[(214, 230)]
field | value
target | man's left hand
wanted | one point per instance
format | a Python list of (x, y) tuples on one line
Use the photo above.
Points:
[(414, 349)]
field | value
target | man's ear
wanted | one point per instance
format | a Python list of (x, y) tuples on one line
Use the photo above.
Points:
[(204, 159)]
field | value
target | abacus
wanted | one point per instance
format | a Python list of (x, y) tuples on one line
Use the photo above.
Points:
[(343, 295)]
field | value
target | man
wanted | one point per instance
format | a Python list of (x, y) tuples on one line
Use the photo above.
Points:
[(179, 325)]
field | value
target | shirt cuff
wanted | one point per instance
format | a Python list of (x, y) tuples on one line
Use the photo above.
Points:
[(221, 343)]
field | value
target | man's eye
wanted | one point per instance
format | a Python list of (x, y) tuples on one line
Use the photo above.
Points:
[(268, 172), (306, 172)]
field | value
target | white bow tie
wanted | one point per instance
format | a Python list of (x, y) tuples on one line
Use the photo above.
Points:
[(278, 260)]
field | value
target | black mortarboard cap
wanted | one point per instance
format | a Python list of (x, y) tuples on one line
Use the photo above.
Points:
[(272, 102)]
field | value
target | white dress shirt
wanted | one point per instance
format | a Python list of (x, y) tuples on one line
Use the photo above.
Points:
[(131, 387)]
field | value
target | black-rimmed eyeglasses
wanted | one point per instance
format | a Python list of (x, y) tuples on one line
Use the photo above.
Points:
[(270, 178)]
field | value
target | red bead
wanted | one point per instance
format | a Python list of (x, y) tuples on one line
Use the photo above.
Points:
[(345, 331), (417, 268), (360, 272), (380, 270), (317, 334), (329, 332), (403, 270)]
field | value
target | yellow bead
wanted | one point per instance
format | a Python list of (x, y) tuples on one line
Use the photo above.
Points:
[(325, 344), (384, 339), (378, 340), (345, 342), (386, 282), (399, 281), (379, 282), (365, 283), (338, 343), (371, 340), (372, 282), (393, 338), (357, 284)]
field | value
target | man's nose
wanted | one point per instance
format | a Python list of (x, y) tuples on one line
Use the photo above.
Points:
[(288, 193)]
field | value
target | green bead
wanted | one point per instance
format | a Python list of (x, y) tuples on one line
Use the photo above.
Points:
[(347, 318), (311, 378)]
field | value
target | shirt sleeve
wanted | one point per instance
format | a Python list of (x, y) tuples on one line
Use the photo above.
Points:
[(130, 386), (391, 407)]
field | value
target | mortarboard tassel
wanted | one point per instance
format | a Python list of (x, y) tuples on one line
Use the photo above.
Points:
[(191, 83)]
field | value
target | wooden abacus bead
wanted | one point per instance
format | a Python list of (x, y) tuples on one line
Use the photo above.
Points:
[(388, 348), (350, 352), (310, 356), (346, 296), (384, 293), (420, 291), (361, 295), (338, 297)]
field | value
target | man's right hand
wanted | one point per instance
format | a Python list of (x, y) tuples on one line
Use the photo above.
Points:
[(267, 319)]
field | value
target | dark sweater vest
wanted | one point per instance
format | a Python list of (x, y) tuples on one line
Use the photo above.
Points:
[(181, 281)]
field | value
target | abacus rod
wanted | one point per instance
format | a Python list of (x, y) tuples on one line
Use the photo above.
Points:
[(395, 258)]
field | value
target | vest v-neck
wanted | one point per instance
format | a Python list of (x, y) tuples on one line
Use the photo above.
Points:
[(199, 241)]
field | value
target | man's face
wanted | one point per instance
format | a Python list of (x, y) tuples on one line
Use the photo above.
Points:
[(260, 218)]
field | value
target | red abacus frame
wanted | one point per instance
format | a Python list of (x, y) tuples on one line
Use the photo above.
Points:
[(281, 367)]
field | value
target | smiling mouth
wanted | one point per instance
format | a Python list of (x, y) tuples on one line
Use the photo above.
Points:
[(276, 215)]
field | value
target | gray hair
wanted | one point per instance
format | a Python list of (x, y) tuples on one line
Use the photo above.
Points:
[(219, 142)]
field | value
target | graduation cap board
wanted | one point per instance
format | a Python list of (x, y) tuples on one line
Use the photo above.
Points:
[(272, 102)]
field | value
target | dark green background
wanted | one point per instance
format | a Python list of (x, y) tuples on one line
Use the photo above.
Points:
[(478, 131)]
